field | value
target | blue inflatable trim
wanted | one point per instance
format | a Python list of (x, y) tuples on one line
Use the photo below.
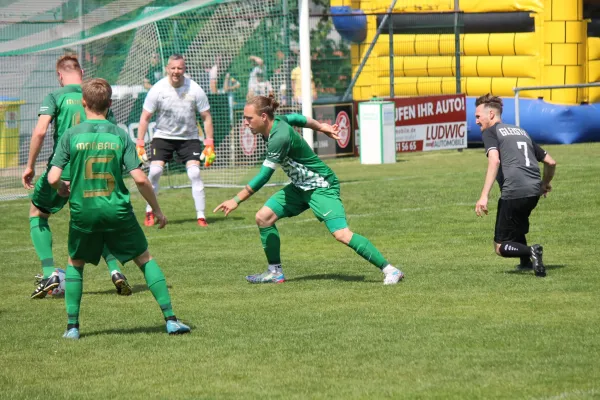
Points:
[(350, 24), (546, 123)]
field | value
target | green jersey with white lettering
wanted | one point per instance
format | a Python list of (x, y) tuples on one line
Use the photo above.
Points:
[(99, 153), (65, 108), (288, 149)]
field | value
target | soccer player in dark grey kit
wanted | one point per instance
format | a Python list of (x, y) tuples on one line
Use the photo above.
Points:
[(513, 160)]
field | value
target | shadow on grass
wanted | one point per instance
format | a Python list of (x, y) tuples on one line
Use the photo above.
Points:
[(209, 220), (135, 289), (530, 271), (127, 331), (331, 277)]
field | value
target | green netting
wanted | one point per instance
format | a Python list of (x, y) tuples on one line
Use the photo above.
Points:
[(115, 40)]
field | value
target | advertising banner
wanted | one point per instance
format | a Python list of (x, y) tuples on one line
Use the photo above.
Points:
[(343, 116), (431, 123)]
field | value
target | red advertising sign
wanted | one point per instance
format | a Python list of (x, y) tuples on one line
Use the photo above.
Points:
[(247, 140), (431, 123)]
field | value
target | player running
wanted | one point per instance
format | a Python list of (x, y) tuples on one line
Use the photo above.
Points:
[(513, 159), (99, 153), (313, 185), (63, 108)]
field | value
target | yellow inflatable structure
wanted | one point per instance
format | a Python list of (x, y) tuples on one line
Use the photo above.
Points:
[(556, 52)]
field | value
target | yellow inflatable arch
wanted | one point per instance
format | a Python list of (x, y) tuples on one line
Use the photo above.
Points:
[(553, 50)]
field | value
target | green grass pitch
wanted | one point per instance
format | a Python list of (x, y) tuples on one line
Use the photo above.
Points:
[(461, 325)]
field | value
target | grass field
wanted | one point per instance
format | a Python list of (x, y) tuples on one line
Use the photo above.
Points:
[(461, 325)]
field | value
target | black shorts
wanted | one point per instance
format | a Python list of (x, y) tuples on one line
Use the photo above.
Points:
[(512, 218), (187, 150)]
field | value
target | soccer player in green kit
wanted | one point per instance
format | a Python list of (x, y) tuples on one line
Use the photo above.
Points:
[(63, 108), (99, 153), (313, 185)]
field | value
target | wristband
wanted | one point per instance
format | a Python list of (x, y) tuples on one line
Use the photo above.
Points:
[(140, 143), (209, 142), (237, 199)]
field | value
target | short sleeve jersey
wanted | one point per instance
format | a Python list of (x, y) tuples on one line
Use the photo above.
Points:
[(65, 107), (288, 149), (519, 172), (99, 153), (176, 108)]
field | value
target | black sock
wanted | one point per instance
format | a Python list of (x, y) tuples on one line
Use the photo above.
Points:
[(514, 249), (70, 326), (525, 260), (171, 318)]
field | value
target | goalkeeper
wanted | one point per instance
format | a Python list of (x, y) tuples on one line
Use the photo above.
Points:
[(175, 99), (313, 185)]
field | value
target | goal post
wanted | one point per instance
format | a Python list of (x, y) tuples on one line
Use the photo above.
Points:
[(128, 42)]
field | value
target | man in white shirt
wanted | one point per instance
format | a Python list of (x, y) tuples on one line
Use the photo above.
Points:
[(261, 87), (175, 99)]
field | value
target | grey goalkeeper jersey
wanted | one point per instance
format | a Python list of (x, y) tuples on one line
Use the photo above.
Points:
[(519, 172)]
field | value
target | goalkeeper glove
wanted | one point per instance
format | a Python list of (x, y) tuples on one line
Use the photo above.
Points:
[(141, 151), (208, 155)]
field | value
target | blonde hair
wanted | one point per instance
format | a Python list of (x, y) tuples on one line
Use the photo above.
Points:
[(68, 63), (264, 104), (97, 93)]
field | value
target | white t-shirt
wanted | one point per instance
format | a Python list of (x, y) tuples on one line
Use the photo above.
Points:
[(176, 108), (252, 81), (261, 88)]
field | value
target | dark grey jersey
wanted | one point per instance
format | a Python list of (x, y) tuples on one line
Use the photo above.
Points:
[(519, 172)]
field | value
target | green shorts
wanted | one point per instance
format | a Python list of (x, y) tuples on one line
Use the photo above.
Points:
[(325, 203), (46, 198), (125, 244)]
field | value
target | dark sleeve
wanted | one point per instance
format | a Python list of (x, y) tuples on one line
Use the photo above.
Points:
[(62, 154), (490, 141), (540, 153)]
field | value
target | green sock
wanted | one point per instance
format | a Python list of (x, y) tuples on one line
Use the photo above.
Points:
[(157, 284), (271, 243), (73, 292), (366, 250), (111, 261), (41, 236)]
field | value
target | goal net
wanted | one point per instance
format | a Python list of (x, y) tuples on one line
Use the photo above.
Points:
[(226, 44)]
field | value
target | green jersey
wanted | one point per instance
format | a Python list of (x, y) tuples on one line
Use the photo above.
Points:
[(65, 108), (288, 149), (99, 153)]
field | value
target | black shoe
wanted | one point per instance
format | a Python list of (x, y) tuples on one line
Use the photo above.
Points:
[(120, 282), (45, 286), (536, 259), (524, 267)]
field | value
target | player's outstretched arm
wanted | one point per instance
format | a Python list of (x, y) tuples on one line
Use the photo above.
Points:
[(490, 177), (54, 180), (302, 121), (145, 188), (37, 140), (252, 187)]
